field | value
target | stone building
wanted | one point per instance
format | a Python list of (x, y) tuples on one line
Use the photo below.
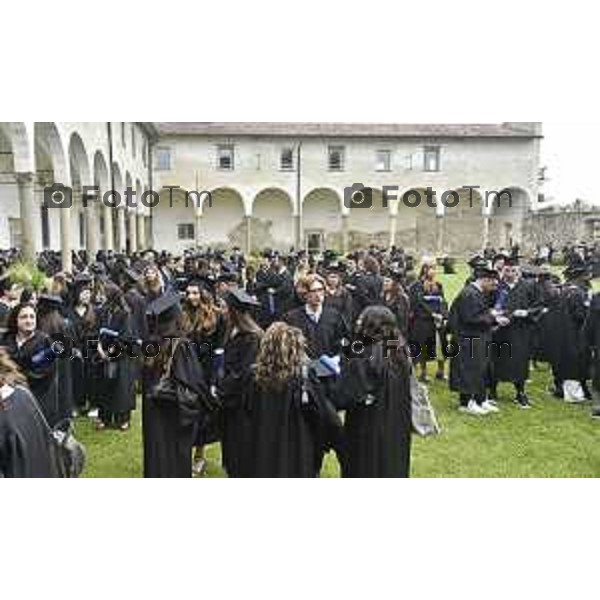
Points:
[(270, 184)]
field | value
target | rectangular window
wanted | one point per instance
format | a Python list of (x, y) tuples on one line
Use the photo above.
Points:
[(185, 231), (287, 159), (432, 158), (14, 232), (383, 160), (225, 157), (81, 230), (336, 158), (163, 159)]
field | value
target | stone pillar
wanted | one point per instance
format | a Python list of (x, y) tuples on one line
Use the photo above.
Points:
[(122, 233), (248, 241), (439, 234), (393, 228), (25, 182), (65, 238), (109, 240), (133, 239), (92, 228), (141, 231), (486, 230), (345, 233), (198, 230), (298, 232)]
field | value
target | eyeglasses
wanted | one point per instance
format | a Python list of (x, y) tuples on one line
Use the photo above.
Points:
[(319, 289)]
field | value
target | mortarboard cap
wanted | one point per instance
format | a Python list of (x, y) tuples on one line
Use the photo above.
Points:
[(240, 300), (164, 309)]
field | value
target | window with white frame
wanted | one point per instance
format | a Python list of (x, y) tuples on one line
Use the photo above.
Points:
[(336, 158), (383, 160), (287, 159), (432, 158), (163, 158), (225, 157), (185, 231)]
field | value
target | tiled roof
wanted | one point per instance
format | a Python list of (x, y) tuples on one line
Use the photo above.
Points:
[(492, 130)]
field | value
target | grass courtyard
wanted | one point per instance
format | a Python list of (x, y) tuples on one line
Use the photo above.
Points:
[(553, 439)]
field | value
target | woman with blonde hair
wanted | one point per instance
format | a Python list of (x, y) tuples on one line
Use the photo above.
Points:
[(282, 402)]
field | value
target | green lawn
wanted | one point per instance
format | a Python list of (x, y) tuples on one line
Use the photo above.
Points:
[(552, 439)]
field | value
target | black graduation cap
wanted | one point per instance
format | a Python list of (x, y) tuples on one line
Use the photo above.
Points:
[(228, 277), (5, 283), (574, 271), (485, 272), (501, 256), (240, 300), (48, 301), (164, 309), (511, 261), (336, 267), (477, 261)]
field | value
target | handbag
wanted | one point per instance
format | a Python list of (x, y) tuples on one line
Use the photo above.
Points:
[(170, 391), (68, 454), (424, 421)]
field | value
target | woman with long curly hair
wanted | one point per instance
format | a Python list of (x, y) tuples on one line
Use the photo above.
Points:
[(375, 391), (282, 403)]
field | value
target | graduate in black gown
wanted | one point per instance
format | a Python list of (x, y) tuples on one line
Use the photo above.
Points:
[(204, 325), (241, 347), (511, 351), (116, 351), (471, 321), (573, 360), (168, 427), (428, 314), (282, 403), (82, 316), (397, 300), (31, 349), (51, 319), (337, 296), (24, 438), (376, 395), (274, 289)]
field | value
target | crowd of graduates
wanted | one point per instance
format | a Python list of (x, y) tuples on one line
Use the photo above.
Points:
[(279, 358)]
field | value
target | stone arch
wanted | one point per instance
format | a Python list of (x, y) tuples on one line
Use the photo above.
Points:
[(415, 222), (224, 224), (464, 227), (19, 159), (322, 218), (80, 176), (52, 167), (272, 220), (102, 181), (507, 212), (370, 224)]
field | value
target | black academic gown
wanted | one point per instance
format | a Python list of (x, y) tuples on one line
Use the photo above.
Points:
[(168, 429), (470, 322), (283, 432), (376, 396), (24, 439), (323, 337), (342, 302), (39, 364), (240, 354), (117, 395), (592, 339), (511, 349), (572, 361)]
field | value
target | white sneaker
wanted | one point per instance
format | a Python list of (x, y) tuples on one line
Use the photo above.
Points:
[(473, 409), (489, 407)]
